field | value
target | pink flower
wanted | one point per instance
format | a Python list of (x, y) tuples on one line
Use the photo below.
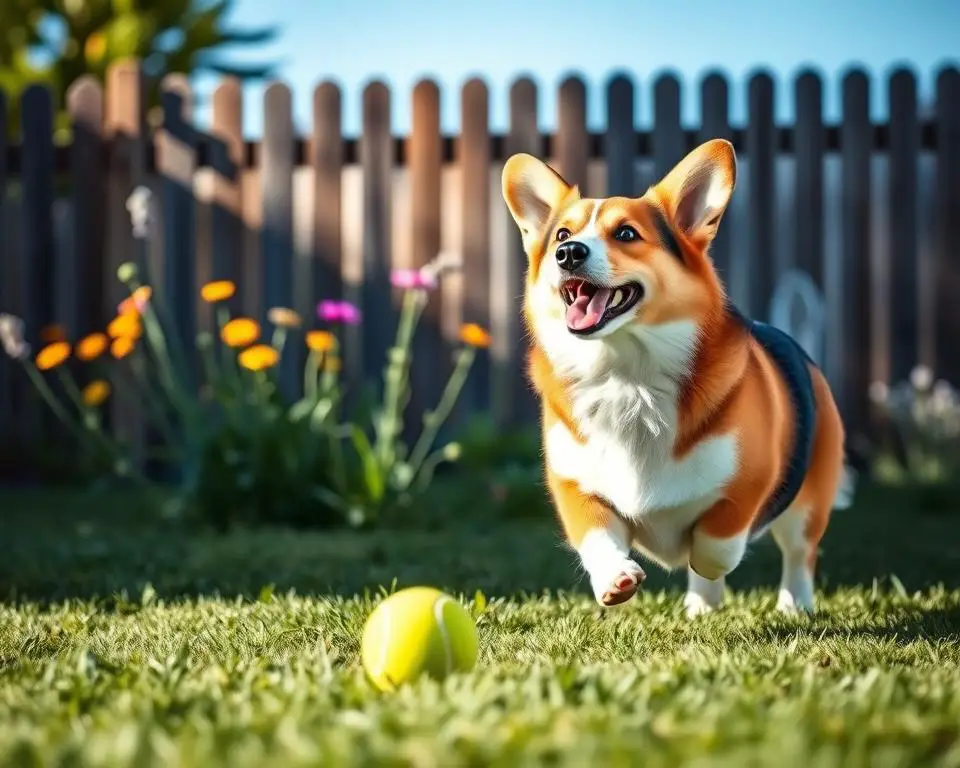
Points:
[(338, 312), (413, 278)]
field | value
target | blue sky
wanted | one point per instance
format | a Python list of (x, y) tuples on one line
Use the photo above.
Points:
[(499, 40)]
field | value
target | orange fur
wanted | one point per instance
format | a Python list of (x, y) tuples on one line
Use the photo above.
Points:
[(728, 386)]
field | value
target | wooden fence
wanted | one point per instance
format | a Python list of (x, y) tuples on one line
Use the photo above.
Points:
[(871, 212)]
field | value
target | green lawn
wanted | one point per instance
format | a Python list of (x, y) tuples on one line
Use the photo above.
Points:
[(129, 639)]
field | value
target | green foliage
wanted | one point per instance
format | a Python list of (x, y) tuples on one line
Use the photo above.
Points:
[(237, 450), (920, 440), (58, 41)]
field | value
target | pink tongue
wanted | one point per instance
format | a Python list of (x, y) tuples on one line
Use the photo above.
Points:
[(586, 310)]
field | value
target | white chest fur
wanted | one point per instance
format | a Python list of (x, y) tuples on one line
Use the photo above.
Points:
[(624, 405)]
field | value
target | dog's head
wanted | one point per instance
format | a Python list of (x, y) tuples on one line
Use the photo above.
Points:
[(602, 265)]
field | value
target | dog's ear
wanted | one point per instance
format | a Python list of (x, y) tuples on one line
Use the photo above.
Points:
[(532, 191), (698, 189)]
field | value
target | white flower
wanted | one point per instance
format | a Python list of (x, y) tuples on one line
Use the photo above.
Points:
[(921, 378), (879, 392), (11, 337), (138, 206)]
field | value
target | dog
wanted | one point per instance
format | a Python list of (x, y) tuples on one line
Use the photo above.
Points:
[(671, 423)]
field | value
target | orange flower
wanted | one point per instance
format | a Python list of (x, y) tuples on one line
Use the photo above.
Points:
[(121, 347), (135, 303), (52, 355), (321, 341), (284, 318), (91, 347), (52, 333), (219, 290), (95, 393), (474, 336), (240, 332), (259, 357), (127, 325)]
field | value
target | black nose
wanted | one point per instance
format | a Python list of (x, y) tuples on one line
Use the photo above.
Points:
[(571, 254)]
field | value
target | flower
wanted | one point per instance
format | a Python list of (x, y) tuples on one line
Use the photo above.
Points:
[(240, 332), (127, 325), (474, 336), (259, 357), (52, 333), (284, 318), (11, 337), (53, 355), (922, 378), (91, 347), (138, 206), (136, 302), (128, 270), (338, 312), (122, 346), (95, 393), (219, 290), (321, 341), (421, 279), (442, 263)]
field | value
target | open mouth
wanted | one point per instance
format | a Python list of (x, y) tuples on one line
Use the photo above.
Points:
[(590, 307)]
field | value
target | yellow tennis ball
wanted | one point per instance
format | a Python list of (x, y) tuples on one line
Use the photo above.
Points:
[(417, 631)]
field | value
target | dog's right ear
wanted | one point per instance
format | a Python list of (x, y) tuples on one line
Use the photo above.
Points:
[(533, 191)]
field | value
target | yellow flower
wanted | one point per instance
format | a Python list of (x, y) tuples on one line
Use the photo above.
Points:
[(127, 325), (52, 355), (240, 332), (52, 333), (121, 347), (95, 393), (136, 301), (91, 347), (321, 341), (259, 357), (95, 48), (219, 290), (474, 336), (332, 364), (284, 318)]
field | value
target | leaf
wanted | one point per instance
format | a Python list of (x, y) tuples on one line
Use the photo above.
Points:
[(372, 472)]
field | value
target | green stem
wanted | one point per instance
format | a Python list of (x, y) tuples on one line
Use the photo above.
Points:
[(142, 382), (396, 378), (434, 420), (311, 372)]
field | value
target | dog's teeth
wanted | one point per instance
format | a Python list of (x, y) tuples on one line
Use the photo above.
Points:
[(617, 298)]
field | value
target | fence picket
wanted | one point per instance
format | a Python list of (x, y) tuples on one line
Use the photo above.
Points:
[(669, 144), (620, 146), (573, 141), (852, 309), (226, 153), (715, 124), (808, 191), (903, 287), (762, 201), (948, 225)]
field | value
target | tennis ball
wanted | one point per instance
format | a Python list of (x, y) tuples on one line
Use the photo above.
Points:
[(416, 631)]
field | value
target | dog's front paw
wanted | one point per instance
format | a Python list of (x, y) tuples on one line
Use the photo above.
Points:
[(621, 586), (696, 605)]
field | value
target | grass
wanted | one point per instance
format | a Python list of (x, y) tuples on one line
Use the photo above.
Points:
[(129, 639)]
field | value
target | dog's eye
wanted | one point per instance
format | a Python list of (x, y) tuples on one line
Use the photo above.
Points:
[(626, 234), (563, 233)]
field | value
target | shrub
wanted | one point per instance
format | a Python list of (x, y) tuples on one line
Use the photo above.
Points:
[(237, 450)]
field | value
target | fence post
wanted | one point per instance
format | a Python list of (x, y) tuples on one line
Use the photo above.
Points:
[(620, 143), (715, 124), (851, 307), (669, 145), (431, 365), (948, 225), (38, 261), (474, 159), (808, 157), (901, 290), (277, 234), (226, 159), (176, 163), (327, 161), (517, 403), (572, 148), (761, 262)]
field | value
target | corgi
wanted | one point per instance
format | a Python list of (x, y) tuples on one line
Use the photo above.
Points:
[(671, 424)]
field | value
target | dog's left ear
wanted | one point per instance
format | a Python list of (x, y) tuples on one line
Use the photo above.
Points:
[(696, 192)]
